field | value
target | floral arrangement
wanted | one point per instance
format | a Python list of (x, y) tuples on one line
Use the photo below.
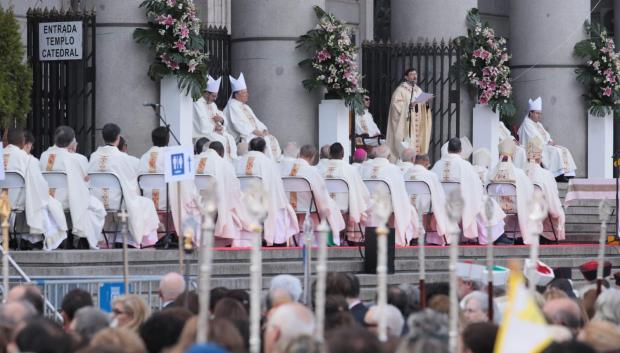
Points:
[(601, 73), (333, 60), (484, 65), (174, 34)]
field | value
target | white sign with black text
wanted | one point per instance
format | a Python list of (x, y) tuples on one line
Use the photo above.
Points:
[(60, 40)]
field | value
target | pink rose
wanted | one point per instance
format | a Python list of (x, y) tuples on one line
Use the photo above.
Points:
[(607, 91), (184, 31), (180, 45)]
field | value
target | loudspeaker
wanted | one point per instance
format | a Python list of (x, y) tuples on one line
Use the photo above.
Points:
[(370, 246)]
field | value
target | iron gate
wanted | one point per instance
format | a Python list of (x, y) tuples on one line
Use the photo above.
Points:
[(383, 67), (63, 91), (217, 44)]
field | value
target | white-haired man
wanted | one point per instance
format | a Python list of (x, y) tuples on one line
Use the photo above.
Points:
[(285, 323), (171, 286), (395, 320)]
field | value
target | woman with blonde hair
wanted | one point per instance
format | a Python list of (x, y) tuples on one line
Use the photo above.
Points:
[(129, 312), (221, 332), (118, 340)]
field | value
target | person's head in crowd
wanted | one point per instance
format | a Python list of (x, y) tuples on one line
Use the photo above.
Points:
[(188, 300), (41, 336), (74, 300), (289, 284), (479, 337), (476, 308), (28, 141), (564, 285), (423, 160), (97, 349), (290, 150), (428, 322), (589, 270), (308, 154), (231, 309), (111, 134), (588, 302), (160, 136), (601, 335), (200, 145), (119, 340), (15, 137), (395, 320), (454, 145), (215, 295), (340, 319), (412, 344), (63, 136), (466, 286), (286, 322), (162, 329), (552, 293), (339, 283), (217, 147), (569, 347), (240, 295), (607, 307), (360, 155), (335, 304), (122, 144), (336, 151), (87, 321), (242, 148), (30, 293), (440, 303), (564, 312), (221, 332), (398, 297), (302, 344), (129, 312), (382, 151), (413, 297), (324, 152), (352, 339), (171, 285), (407, 155), (257, 144), (14, 314)]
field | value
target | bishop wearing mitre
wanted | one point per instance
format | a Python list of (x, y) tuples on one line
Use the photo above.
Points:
[(519, 159), (209, 120), (409, 123), (557, 159), (244, 122), (543, 179)]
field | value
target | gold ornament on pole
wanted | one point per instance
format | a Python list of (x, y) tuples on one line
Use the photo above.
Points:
[(124, 231)]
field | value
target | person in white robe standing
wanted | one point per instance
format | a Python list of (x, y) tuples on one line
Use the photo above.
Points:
[(242, 120), (543, 178), (452, 167), (415, 168), (209, 119), (143, 220), (481, 159), (44, 214), (405, 215), (519, 159), (327, 207), (557, 159), (507, 172), (358, 199), (87, 212), (366, 128), (232, 216), (281, 223)]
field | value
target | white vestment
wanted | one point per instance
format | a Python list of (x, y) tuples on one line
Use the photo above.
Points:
[(87, 212), (519, 159), (241, 120), (204, 126), (44, 214), (405, 215), (453, 168), (281, 222), (150, 163), (358, 200), (365, 124), (543, 178), (143, 220), (437, 198), (507, 172), (232, 216), (557, 159), (324, 203)]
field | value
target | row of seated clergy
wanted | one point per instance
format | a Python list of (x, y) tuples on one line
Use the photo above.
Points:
[(236, 122)]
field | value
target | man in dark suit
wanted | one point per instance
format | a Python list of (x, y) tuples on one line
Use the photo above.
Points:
[(356, 307)]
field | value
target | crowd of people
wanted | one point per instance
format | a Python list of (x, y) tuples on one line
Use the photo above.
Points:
[(578, 324)]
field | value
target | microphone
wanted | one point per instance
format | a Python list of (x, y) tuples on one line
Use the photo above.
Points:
[(152, 105)]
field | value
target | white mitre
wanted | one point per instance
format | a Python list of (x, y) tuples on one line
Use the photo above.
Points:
[(507, 147), (482, 157), (534, 105), (238, 84), (213, 85)]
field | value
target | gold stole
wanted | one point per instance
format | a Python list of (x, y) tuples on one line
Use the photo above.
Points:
[(103, 167), (201, 165), (249, 166), (49, 167), (152, 169), (293, 197)]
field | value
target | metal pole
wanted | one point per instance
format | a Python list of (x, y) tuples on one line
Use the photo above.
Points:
[(604, 211), (123, 216), (307, 254), (180, 234), (255, 289), (382, 234), (422, 258), (454, 209), (206, 262), (488, 210), (321, 278), (5, 212)]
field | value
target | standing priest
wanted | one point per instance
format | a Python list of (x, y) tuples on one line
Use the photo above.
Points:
[(409, 124)]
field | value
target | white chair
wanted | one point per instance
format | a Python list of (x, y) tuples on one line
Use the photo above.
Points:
[(58, 180), (449, 186), (537, 187), (203, 181), (506, 196), (110, 182), (14, 181), (246, 181), (377, 185), (420, 191), (156, 181), (337, 187), (300, 185)]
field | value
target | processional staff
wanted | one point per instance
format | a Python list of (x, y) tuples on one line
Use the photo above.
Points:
[(537, 213), (321, 279), (422, 251), (454, 208), (308, 228), (208, 208), (488, 212), (5, 212), (382, 208), (604, 210), (125, 232)]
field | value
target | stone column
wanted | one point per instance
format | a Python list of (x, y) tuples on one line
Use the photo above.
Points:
[(539, 32), (122, 65), (263, 48)]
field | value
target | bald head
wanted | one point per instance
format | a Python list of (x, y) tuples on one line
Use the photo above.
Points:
[(324, 151), (308, 153), (171, 286), (291, 150), (563, 312), (408, 155), (382, 151)]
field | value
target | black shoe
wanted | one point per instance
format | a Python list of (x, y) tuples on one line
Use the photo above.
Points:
[(544, 241), (561, 179), (169, 241), (82, 244), (503, 240)]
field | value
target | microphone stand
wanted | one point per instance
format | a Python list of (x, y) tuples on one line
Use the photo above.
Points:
[(163, 121)]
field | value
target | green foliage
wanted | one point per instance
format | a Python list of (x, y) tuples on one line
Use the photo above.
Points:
[(15, 76)]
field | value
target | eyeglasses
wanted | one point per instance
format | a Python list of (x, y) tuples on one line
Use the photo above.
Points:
[(367, 99), (116, 312)]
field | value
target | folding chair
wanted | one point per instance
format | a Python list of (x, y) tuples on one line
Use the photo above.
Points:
[(338, 186), (449, 186), (376, 185), (203, 181), (58, 180), (248, 180), (300, 185), (111, 182), (419, 193), (506, 196), (539, 188), (14, 181), (156, 181)]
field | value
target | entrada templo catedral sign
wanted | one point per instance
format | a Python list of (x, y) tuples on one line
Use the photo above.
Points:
[(60, 40)]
